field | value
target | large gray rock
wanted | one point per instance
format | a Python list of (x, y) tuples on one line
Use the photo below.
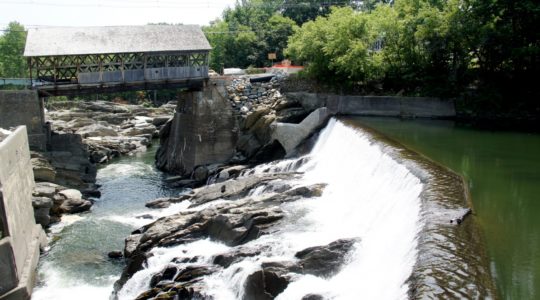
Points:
[(96, 130), (73, 206), (325, 260), (291, 135), (139, 130)]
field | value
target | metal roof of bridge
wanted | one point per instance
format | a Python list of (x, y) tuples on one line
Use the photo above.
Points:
[(54, 41)]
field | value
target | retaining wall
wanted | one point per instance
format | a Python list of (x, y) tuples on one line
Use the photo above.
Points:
[(387, 106), (21, 238)]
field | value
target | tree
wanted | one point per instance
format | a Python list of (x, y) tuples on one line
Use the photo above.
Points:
[(302, 11), (247, 34), (12, 62)]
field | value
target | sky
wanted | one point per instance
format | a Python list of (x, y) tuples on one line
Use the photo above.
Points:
[(37, 13)]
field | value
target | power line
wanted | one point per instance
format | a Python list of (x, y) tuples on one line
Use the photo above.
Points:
[(170, 4)]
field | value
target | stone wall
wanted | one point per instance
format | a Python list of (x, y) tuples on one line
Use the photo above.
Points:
[(22, 237), (202, 132), (24, 108)]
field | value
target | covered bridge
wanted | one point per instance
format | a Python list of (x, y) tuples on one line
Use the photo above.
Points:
[(73, 60)]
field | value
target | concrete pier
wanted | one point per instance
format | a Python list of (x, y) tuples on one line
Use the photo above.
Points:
[(25, 108), (20, 237)]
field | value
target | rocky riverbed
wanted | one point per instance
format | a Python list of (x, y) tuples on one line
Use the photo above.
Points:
[(83, 135), (231, 213)]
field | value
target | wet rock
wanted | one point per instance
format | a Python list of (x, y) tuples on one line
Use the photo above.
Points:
[(325, 260), (115, 254), (167, 274), (192, 272), (265, 284), (73, 202), (248, 144), (160, 120), (270, 152), (229, 258), (313, 297), (200, 173), (159, 203)]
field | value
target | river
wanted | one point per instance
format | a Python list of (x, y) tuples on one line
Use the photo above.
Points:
[(76, 264), (503, 172), (358, 202)]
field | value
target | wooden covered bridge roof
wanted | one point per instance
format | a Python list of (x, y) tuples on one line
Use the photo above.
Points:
[(74, 60), (54, 41)]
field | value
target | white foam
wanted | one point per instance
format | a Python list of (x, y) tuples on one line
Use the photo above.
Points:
[(59, 287)]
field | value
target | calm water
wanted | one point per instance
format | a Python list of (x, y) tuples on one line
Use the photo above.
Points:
[(77, 263), (503, 171)]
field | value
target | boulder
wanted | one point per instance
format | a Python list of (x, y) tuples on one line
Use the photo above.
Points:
[(160, 120), (226, 259), (266, 284), (71, 194), (326, 260), (73, 206), (292, 115), (254, 116), (115, 254), (200, 173), (96, 130)]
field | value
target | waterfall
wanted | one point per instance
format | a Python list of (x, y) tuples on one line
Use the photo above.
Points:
[(368, 196)]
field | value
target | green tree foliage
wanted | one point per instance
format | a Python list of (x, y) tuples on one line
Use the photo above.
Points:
[(302, 11), (12, 62), (247, 34), (429, 47)]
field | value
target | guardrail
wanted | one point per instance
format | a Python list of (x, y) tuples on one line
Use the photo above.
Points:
[(15, 81)]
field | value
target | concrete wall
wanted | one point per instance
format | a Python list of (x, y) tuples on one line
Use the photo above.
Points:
[(202, 132), (24, 237), (388, 106), (24, 108)]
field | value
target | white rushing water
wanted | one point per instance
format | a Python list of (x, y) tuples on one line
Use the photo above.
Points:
[(369, 196)]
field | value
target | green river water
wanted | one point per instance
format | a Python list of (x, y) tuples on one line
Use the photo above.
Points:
[(503, 172)]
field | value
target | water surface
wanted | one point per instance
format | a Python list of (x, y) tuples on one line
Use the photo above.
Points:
[(503, 172), (77, 264)]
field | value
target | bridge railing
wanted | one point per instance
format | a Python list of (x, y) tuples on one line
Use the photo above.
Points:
[(15, 81)]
